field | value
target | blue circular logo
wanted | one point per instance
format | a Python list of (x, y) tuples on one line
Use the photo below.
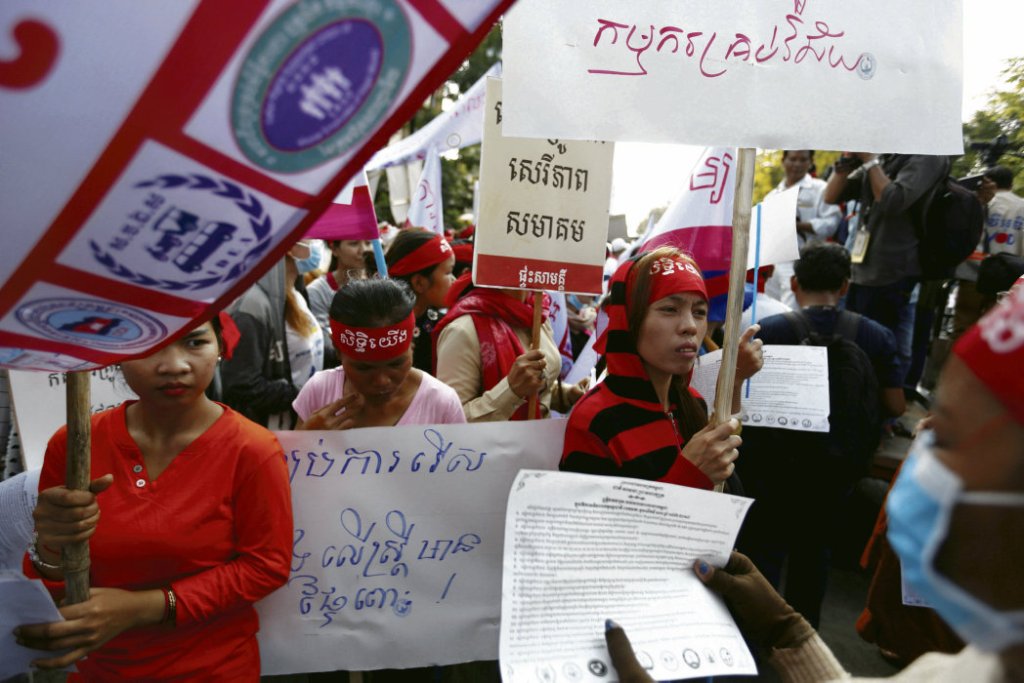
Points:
[(318, 81), (92, 323)]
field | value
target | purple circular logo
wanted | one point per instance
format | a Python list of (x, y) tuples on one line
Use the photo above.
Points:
[(322, 84)]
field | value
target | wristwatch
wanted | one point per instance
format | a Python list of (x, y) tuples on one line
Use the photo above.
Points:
[(868, 165)]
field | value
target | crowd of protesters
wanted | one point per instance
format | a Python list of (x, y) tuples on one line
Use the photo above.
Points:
[(334, 346)]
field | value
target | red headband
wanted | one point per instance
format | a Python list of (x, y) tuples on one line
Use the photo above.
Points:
[(672, 276), (430, 253), (373, 343), (994, 351)]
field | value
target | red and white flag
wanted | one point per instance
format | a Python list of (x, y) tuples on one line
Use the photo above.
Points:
[(425, 209), (158, 157)]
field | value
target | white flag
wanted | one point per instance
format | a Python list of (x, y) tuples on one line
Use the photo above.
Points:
[(426, 208)]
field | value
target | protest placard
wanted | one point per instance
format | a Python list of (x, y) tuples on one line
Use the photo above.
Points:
[(40, 405), (543, 209), (580, 549), (790, 391), (158, 157), (770, 73), (398, 544)]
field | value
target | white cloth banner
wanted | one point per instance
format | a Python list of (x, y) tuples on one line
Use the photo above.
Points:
[(460, 126), (426, 209), (580, 549), (877, 76), (146, 182), (398, 544)]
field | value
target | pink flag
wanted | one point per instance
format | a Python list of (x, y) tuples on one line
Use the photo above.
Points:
[(350, 216), (134, 206)]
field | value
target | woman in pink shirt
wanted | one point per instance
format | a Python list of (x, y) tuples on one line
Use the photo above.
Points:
[(376, 386)]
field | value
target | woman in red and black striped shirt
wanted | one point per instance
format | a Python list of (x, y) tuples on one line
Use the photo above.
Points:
[(645, 421)]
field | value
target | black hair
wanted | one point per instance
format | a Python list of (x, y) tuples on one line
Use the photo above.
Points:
[(406, 242), (823, 267), (810, 154), (373, 302), (1001, 176)]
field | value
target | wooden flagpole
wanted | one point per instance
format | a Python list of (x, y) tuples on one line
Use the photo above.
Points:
[(538, 306), (75, 556), (743, 198)]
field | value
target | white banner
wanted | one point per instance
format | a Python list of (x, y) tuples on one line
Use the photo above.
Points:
[(398, 544), (543, 219), (40, 405), (460, 126), (877, 76)]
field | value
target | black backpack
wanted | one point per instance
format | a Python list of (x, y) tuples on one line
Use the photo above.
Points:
[(950, 221), (836, 460)]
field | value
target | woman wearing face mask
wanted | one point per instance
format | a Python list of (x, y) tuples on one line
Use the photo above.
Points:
[(372, 328), (264, 376), (424, 261), (192, 524), (644, 421), (956, 521), (347, 263)]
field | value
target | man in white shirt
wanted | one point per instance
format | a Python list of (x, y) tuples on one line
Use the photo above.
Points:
[(816, 221)]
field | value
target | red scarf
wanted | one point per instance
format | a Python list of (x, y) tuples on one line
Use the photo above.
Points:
[(494, 316)]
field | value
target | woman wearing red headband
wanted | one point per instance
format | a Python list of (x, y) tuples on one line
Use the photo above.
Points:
[(347, 263), (644, 421), (196, 527), (372, 328), (424, 261)]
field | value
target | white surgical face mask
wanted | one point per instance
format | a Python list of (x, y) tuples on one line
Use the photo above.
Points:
[(919, 509)]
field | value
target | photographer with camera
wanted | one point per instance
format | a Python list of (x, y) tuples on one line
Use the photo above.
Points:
[(999, 258), (885, 265)]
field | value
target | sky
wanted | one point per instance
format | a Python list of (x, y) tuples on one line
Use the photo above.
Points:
[(648, 175)]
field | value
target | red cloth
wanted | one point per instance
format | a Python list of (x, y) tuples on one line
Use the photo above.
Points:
[(994, 351), (432, 252), (216, 526), (494, 315)]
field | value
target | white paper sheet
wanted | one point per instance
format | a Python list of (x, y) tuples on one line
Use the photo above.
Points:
[(22, 601), (580, 549), (778, 242), (886, 76), (790, 391), (398, 537)]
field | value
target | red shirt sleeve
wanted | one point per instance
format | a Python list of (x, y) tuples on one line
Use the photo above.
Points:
[(263, 528)]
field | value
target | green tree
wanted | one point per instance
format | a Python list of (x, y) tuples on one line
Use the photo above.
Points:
[(1003, 115), (768, 171)]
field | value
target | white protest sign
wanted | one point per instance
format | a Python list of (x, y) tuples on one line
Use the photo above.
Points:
[(40, 405), (580, 549), (790, 391), (543, 209), (876, 76), (398, 544)]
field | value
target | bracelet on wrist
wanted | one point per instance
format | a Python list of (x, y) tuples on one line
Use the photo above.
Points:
[(170, 607), (33, 554)]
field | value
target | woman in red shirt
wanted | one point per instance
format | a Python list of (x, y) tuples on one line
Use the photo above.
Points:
[(196, 526)]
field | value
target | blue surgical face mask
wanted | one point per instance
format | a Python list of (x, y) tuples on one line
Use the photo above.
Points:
[(311, 262), (919, 509)]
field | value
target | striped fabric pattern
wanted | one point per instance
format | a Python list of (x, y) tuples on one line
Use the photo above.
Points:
[(619, 427)]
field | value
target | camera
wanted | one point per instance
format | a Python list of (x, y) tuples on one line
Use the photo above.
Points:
[(845, 163)]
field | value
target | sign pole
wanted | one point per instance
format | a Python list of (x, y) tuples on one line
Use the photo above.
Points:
[(75, 556), (538, 306), (737, 280)]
